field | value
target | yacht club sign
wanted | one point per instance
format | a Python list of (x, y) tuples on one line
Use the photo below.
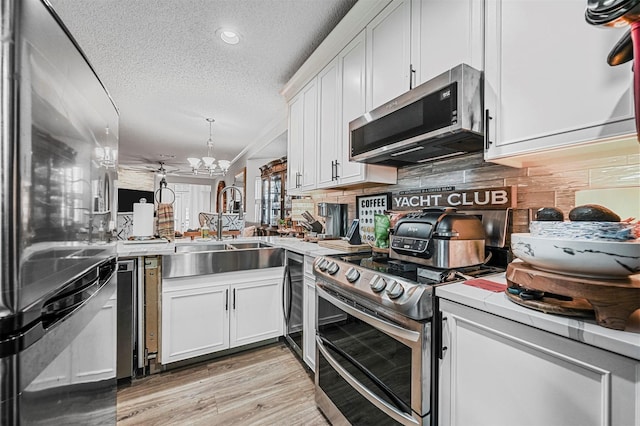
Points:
[(485, 198)]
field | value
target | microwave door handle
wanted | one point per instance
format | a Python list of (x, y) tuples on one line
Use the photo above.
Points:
[(399, 404)]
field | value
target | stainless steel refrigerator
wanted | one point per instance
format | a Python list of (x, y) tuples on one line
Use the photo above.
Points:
[(58, 150)]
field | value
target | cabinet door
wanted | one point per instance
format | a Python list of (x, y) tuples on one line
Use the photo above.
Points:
[(294, 144), (265, 219), (256, 311), (461, 21), (194, 322), (352, 67), (93, 352), (309, 155), (309, 326), (547, 82), (329, 142), (389, 53), (499, 372)]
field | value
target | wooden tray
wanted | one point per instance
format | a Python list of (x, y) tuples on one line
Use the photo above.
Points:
[(343, 246), (577, 307), (613, 301)]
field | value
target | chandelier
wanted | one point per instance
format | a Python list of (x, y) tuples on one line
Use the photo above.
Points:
[(208, 164)]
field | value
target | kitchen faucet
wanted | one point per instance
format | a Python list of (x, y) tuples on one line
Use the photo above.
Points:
[(221, 209)]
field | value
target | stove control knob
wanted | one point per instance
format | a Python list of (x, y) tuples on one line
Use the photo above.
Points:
[(322, 264), (352, 275), (394, 290), (377, 283), (332, 268)]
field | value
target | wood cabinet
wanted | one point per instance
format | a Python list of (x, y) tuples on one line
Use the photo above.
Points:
[(273, 200), (548, 84), (209, 313), (302, 141), (496, 371)]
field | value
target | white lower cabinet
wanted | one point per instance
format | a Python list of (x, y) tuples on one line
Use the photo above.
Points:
[(209, 313), (90, 357), (195, 322), (309, 320), (496, 371), (93, 352), (254, 308)]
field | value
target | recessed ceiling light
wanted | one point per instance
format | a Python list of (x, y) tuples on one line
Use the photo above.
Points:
[(229, 36)]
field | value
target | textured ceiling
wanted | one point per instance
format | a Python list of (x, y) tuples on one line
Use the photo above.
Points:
[(167, 70)]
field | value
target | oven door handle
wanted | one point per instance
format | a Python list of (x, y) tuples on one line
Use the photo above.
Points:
[(400, 404), (383, 405), (408, 337)]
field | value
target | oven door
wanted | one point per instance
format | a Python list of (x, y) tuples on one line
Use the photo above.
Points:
[(370, 370)]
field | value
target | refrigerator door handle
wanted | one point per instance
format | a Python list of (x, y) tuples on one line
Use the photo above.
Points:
[(76, 294)]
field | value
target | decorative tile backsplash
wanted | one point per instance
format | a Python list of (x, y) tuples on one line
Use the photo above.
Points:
[(542, 186), (124, 225)]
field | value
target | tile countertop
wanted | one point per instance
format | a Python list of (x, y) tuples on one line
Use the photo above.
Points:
[(132, 249), (585, 331)]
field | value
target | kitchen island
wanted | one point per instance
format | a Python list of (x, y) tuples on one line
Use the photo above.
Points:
[(152, 248), (213, 311), (498, 357)]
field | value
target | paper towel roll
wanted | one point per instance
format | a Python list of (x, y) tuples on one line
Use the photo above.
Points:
[(142, 220)]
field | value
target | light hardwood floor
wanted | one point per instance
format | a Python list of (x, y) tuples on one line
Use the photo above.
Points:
[(265, 386)]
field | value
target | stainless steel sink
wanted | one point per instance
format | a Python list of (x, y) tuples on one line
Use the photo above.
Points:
[(218, 245), (246, 245), (194, 259), (197, 247)]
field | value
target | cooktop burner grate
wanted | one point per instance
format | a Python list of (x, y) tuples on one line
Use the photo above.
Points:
[(416, 273)]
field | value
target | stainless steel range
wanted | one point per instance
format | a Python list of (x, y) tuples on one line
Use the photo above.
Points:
[(375, 333)]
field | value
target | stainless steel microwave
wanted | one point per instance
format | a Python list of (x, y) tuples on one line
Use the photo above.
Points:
[(440, 118)]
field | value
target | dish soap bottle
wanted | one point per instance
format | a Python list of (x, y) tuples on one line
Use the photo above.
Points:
[(204, 231)]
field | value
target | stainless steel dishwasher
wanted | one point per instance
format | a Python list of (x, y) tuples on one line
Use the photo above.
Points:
[(293, 302), (127, 281)]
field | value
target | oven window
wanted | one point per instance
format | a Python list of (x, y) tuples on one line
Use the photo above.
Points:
[(353, 406), (348, 338)]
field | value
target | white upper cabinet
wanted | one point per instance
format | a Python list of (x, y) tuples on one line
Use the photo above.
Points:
[(447, 33), (329, 137), (302, 141), (547, 81), (341, 88), (389, 54)]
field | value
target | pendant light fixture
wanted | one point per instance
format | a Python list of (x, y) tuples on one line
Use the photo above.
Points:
[(207, 164)]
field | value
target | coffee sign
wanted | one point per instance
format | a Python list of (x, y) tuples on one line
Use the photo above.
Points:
[(473, 199)]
